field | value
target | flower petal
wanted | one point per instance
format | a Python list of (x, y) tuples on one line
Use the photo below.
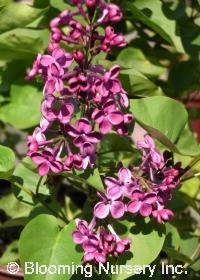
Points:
[(116, 117), (83, 126), (134, 206), (43, 168), (101, 210), (125, 175), (105, 126), (117, 209), (110, 182), (37, 158), (114, 192), (146, 209), (78, 237), (150, 198)]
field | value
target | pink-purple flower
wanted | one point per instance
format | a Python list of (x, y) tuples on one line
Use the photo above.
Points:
[(47, 161), (109, 205), (82, 132)]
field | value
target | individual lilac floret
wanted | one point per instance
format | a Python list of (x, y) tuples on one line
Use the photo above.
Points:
[(108, 116), (100, 243), (82, 132), (162, 215), (111, 12), (73, 161), (142, 202), (84, 235), (88, 153), (109, 84), (109, 205), (150, 153), (47, 162), (123, 186), (55, 110), (37, 139)]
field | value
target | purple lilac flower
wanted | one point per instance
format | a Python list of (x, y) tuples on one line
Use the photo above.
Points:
[(54, 110), (108, 116), (82, 132), (162, 215), (109, 205), (75, 88), (123, 186), (142, 203), (47, 162)]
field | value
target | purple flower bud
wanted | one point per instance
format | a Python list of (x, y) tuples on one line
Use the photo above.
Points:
[(78, 56), (90, 3), (55, 22), (114, 13), (162, 215)]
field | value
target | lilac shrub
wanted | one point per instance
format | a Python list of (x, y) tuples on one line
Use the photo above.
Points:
[(83, 102)]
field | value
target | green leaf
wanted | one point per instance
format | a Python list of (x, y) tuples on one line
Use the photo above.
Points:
[(156, 115), (42, 241), (90, 177), (150, 13), (190, 187), (23, 43), (190, 246), (114, 148), (112, 143), (172, 237), (147, 241), (136, 84), (23, 111), (176, 255), (24, 183), (134, 58), (7, 160), (61, 5), (18, 15), (187, 143), (16, 222), (13, 208), (11, 253)]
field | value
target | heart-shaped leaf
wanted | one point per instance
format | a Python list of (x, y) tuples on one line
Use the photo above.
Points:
[(166, 120), (18, 15), (44, 243), (7, 159), (23, 111)]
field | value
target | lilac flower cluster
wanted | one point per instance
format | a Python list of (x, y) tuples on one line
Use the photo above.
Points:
[(143, 190), (82, 102), (74, 88), (99, 244)]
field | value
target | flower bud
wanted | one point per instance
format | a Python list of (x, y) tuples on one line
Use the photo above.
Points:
[(90, 3), (55, 22), (56, 37), (76, 2), (120, 247), (78, 56), (114, 13), (119, 41)]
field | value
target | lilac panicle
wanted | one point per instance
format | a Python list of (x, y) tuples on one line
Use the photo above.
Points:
[(75, 88), (74, 85)]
